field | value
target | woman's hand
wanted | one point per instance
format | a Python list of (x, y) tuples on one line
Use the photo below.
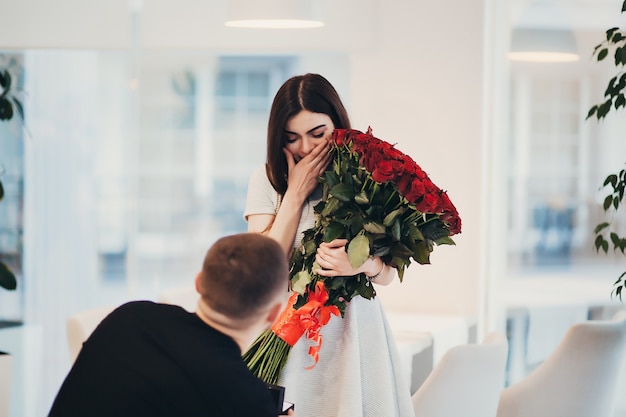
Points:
[(333, 258), (302, 175)]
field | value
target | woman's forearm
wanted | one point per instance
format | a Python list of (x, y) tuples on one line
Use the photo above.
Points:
[(285, 224)]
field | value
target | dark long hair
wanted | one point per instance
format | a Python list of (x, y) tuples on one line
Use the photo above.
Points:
[(310, 92)]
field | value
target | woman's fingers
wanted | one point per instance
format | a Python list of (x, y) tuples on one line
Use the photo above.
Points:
[(335, 243), (290, 159)]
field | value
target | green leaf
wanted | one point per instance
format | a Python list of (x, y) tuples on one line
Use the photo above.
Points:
[(616, 202), (19, 107), (620, 101), (331, 206), (601, 243), (602, 54), (620, 55), (332, 178), (301, 280), (343, 192), (617, 37), (334, 230), (1, 191), (600, 227), (358, 250), (624, 6), (610, 89), (610, 32), (422, 253), (445, 241), (5, 81), (604, 108), (592, 111), (616, 240), (374, 227), (361, 198), (366, 289), (611, 179), (396, 230), (607, 202), (7, 279), (391, 217), (598, 46)]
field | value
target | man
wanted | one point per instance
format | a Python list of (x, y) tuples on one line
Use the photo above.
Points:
[(149, 359)]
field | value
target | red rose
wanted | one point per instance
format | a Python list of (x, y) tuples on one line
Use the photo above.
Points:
[(416, 190), (429, 204), (339, 136), (386, 171)]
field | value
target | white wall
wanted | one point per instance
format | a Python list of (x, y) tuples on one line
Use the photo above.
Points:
[(420, 85)]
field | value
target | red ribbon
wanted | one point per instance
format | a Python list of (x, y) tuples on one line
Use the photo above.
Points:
[(307, 320)]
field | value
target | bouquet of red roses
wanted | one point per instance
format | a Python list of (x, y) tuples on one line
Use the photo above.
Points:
[(385, 205)]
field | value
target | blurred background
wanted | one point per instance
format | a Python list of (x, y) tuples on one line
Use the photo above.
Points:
[(144, 120)]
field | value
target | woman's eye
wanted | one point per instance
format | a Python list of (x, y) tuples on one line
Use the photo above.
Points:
[(318, 135), (291, 139)]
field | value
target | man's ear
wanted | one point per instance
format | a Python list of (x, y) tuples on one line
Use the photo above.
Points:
[(274, 312), (198, 278)]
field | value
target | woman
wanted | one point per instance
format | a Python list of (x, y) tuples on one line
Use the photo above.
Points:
[(357, 373)]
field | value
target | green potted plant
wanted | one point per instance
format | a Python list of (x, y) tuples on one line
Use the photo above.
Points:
[(10, 105), (614, 99)]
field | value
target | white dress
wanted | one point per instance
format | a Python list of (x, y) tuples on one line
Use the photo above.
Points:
[(358, 371)]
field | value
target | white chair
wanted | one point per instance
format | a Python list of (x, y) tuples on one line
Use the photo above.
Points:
[(578, 379), (6, 375), (467, 381), (620, 386), (185, 297), (80, 325)]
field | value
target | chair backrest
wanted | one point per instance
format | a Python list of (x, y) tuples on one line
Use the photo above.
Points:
[(185, 297), (80, 325), (578, 378), (467, 381), (620, 384)]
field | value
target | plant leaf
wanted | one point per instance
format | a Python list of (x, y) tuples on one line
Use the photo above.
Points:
[(391, 217), (599, 243), (5, 81), (611, 179), (422, 253), (19, 107), (343, 192), (375, 228), (604, 108), (602, 54), (607, 202), (592, 111), (7, 279), (333, 231), (445, 241), (616, 240), (1, 191), (610, 32), (358, 250), (600, 227), (301, 280)]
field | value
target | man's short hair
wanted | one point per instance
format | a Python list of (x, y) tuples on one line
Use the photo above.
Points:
[(243, 273)]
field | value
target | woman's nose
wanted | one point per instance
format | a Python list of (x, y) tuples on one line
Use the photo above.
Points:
[(307, 145)]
